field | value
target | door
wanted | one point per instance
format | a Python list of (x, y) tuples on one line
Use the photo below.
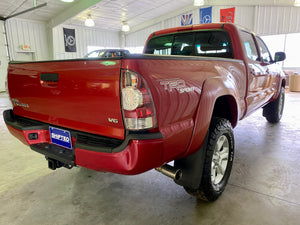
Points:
[(259, 77), (3, 58)]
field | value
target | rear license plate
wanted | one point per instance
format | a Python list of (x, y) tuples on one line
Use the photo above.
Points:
[(60, 137)]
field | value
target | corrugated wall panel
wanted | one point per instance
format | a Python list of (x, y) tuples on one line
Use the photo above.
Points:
[(278, 20), (244, 16), (84, 37), (3, 58), (25, 32), (139, 38)]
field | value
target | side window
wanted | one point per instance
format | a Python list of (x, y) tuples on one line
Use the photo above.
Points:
[(93, 54), (265, 54), (250, 46), (183, 44)]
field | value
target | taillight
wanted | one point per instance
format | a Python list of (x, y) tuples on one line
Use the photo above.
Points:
[(137, 103)]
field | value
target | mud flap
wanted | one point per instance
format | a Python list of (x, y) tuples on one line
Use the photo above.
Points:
[(192, 167)]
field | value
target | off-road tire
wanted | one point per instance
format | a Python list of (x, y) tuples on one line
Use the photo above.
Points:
[(209, 190), (273, 111)]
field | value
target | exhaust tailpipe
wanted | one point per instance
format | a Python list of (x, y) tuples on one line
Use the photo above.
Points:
[(170, 171)]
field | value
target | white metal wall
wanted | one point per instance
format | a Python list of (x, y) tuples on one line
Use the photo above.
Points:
[(138, 38), (26, 32), (244, 16), (3, 58), (84, 37), (278, 20), (263, 20)]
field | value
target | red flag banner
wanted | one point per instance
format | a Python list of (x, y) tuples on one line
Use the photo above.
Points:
[(227, 15)]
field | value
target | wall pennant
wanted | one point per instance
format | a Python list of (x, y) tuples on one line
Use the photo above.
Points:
[(227, 15), (70, 41), (187, 19), (206, 15)]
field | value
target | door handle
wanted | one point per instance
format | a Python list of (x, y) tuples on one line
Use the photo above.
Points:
[(49, 77), (49, 80)]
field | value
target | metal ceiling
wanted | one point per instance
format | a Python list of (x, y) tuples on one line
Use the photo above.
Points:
[(109, 14), (10, 7)]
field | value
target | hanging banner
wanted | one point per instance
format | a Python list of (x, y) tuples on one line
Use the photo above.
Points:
[(70, 41), (227, 15), (205, 15), (187, 19)]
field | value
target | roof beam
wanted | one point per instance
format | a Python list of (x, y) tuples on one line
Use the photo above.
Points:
[(26, 11), (72, 11)]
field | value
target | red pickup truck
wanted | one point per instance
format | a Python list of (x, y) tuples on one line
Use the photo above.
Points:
[(179, 101)]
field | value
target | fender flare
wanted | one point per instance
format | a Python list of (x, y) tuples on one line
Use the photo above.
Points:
[(192, 162), (212, 89)]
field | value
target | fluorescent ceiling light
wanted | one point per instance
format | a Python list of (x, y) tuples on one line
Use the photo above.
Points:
[(89, 22), (67, 0), (198, 2), (125, 27), (297, 3)]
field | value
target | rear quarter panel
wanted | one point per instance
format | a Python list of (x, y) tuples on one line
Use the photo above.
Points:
[(176, 85)]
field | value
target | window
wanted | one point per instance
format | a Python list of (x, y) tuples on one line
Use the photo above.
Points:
[(250, 46), (288, 43), (292, 49), (183, 44), (275, 43), (265, 54), (216, 44), (91, 48), (199, 43), (160, 46), (135, 50), (93, 54)]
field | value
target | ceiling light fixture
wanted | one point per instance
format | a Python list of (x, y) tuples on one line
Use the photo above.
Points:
[(198, 2), (297, 3), (67, 0), (89, 22), (125, 27)]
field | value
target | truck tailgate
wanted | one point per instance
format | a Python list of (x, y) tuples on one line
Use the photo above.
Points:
[(79, 94)]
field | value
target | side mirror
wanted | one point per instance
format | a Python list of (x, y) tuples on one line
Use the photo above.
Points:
[(279, 56)]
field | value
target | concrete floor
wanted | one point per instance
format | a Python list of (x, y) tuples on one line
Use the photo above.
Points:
[(264, 187)]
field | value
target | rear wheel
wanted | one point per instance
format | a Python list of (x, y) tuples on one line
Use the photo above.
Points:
[(273, 111), (218, 161)]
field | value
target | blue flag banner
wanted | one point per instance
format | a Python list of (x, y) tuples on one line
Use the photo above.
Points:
[(205, 15), (187, 19)]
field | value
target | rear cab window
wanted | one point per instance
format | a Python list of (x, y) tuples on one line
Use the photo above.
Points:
[(214, 43)]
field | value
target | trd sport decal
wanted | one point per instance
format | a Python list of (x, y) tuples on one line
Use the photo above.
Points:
[(177, 84)]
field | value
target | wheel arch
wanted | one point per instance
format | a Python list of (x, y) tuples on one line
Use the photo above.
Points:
[(226, 107), (218, 98)]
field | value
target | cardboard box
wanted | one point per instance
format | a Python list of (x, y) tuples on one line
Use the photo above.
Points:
[(295, 82)]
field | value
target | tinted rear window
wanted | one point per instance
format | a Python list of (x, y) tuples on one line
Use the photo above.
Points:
[(200, 43)]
